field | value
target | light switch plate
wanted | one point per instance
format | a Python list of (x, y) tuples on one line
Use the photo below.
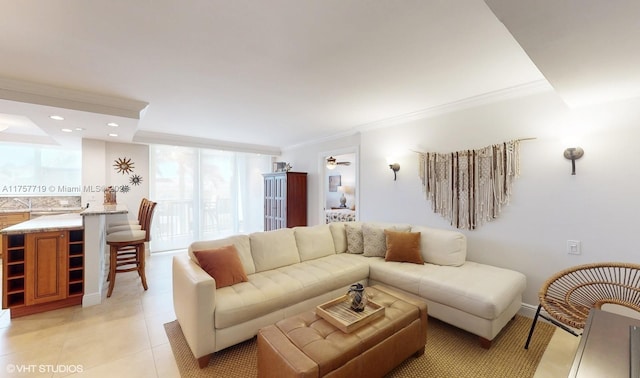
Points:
[(574, 247)]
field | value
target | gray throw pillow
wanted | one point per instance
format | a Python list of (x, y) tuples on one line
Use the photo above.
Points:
[(354, 238)]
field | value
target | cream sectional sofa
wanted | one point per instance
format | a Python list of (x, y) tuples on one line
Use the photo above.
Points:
[(293, 270)]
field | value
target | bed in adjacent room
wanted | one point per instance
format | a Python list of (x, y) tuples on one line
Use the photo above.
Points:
[(340, 215)]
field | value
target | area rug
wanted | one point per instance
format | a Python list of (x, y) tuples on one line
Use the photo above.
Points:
[(450, 352)]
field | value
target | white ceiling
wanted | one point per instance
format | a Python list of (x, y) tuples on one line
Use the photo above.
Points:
[(264, 75), (589, 50)]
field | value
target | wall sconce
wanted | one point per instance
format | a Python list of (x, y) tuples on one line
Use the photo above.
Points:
[(573, 153), (395, 167)]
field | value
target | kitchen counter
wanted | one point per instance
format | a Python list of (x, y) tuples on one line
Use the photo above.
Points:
[(105, 210), (43, 264), (95, 219), (95, 252), (46, 223)]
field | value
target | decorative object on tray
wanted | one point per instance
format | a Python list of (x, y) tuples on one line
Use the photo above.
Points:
[(358, 297), (338, 312)]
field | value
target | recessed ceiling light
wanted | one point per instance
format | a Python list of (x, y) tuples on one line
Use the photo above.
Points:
[(57, 117), (113, 135), (67, 130), (79, 129), (112, 124)]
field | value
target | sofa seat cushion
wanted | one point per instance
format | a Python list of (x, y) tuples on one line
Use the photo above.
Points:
[(482, 290), (276, 289)]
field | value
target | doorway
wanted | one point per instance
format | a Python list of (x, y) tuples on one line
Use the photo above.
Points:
[(340, 185)]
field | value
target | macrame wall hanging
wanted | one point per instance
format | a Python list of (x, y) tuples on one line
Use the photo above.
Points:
[(470, 187)]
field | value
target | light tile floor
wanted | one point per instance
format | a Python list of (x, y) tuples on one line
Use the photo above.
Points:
[(124, 336)]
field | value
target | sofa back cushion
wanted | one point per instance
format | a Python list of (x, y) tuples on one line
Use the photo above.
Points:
[(241, 242), (442, 247), (314, 242), (274, 249), (339, 234)]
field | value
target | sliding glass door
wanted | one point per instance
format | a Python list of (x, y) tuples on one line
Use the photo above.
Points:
[(204, 194)]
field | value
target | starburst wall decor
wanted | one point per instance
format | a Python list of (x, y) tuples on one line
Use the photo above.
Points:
[(123, 165), (135, 180)]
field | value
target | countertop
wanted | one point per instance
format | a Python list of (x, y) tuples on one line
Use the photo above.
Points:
[(58, 222), (46, 223), (105, 209)]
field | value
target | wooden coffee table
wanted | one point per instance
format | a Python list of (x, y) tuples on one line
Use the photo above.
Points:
[(306, 345)]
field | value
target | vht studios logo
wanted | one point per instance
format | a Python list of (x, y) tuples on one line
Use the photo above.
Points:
[(43, 368)]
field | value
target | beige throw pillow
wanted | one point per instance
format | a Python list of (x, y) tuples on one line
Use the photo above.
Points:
[(375, 243), (355, 242)]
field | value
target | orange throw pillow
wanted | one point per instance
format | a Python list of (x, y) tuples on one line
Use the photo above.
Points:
[(403, 247), (223, 264)]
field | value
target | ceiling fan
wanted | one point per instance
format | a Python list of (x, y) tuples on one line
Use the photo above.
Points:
[(332, 163)]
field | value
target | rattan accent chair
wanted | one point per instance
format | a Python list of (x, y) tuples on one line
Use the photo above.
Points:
[(569, 295)]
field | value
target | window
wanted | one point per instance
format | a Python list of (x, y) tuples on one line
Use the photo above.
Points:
[(204, 194), (34, 170)]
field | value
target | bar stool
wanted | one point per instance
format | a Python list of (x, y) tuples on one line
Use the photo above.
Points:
[(127, 249), (129, 224)]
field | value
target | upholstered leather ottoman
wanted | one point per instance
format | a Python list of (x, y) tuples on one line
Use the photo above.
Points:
[(306, 345)]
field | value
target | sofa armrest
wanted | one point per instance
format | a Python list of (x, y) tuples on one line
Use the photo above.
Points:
[(194, 302)]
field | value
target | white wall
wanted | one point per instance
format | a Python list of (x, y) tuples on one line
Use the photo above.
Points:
[(310, 158), (98, 159), (598, 206)]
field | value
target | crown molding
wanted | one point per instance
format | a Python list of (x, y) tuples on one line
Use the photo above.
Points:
[(486, 98), (40, 94), (526, 89), (151, 137)]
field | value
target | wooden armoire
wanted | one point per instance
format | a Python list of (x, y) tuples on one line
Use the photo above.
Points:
[(285, 200)]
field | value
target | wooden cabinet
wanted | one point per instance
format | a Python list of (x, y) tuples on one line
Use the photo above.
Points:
[(46, 267), (42, 271), (9, 219), (285, 200)]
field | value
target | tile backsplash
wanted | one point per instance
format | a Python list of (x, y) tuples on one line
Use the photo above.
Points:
[(40, 202)]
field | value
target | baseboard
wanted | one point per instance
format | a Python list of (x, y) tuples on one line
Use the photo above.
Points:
[(528, 310), (91, 299)]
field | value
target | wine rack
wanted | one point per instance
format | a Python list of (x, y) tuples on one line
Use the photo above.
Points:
[(76, 263), (13, 266)]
